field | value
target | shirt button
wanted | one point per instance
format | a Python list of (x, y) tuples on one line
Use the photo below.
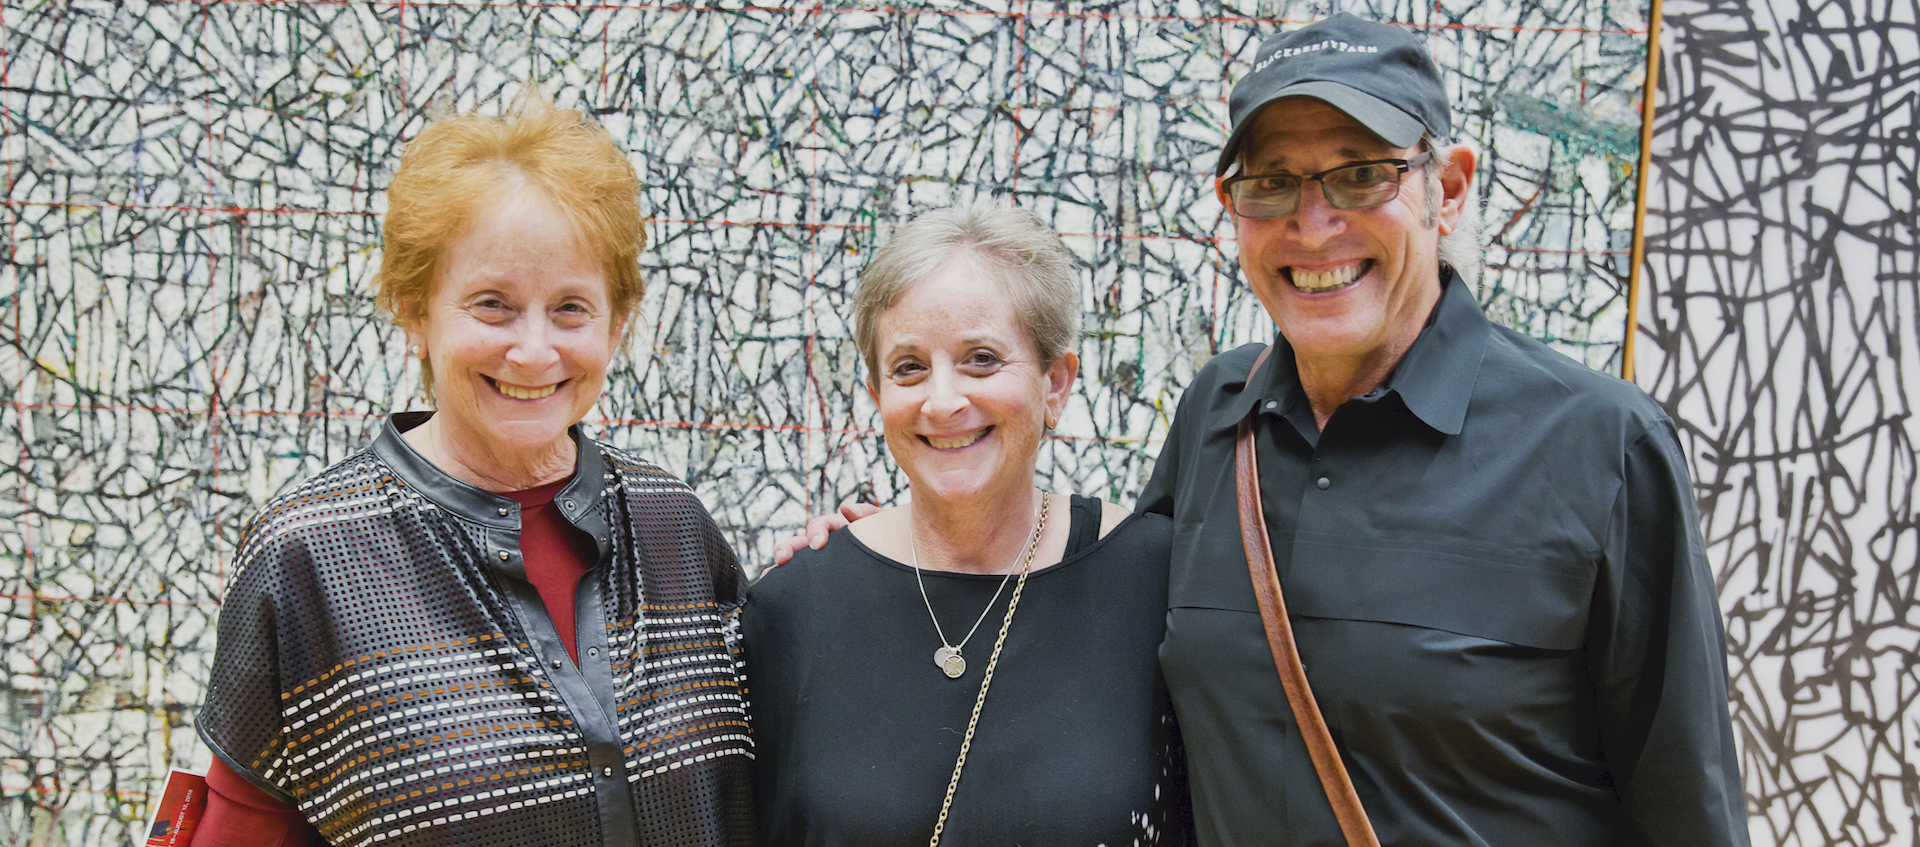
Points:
[(1323, 482), (606, 771)]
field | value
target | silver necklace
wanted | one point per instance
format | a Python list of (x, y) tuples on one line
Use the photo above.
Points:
[(948, 658)]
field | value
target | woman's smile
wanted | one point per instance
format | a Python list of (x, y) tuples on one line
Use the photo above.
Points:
[(522, 392), (956, 442)]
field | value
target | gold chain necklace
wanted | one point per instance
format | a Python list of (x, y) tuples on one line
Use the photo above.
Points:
[(966, 742), (948, 658)]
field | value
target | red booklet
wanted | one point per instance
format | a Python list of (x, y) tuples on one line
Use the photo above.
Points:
[(182, 802)]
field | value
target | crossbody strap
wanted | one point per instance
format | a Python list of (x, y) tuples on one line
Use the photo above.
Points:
[(1286, 656)]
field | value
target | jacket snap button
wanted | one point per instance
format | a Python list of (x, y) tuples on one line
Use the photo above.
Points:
[(569, 504), (503, 511), (556, 664), (606, 771), (593, 652), (503, 553), (1324, 483)]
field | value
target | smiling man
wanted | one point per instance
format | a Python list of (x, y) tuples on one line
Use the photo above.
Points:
[(1490, 552)]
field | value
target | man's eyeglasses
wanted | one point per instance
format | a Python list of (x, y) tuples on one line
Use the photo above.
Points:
[(1355, 185)]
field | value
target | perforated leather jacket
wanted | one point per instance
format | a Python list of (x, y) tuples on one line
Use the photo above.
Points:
[(384, 664)]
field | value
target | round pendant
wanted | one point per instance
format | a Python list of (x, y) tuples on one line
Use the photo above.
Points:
[(949, 661)]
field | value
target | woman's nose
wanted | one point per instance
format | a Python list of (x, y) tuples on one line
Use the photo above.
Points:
[(533, 344), (945, 395)]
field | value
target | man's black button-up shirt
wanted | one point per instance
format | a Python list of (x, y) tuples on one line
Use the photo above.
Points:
[(1496, 577)]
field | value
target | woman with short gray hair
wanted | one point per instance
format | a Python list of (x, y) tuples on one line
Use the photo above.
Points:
[(870, 661), (1011, 245)]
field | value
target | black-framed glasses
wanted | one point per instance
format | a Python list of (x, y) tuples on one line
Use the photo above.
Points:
[(1354, 185)]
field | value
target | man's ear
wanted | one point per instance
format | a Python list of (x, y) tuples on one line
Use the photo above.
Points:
[(1457, 164)]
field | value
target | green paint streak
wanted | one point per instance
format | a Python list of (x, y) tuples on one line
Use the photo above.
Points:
[(1570, 127)]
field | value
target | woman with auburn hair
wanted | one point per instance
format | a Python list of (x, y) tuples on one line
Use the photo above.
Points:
[(487, 628), (872, 659)]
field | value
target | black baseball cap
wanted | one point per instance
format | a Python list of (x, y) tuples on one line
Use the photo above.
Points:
[(1378, 74)]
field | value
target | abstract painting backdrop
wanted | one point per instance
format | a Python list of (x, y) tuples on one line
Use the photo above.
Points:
[(193, 192), (1781, 327)]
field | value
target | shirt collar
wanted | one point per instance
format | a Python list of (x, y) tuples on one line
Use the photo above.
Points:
[(470, 502), (1277, 384), (1434, 379)]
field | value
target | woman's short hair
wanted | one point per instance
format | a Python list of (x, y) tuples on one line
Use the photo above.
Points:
[(460, 166), (1009, 245)]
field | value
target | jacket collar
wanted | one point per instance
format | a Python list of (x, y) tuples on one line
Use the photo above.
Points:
[(469, 502), (1434, 379)]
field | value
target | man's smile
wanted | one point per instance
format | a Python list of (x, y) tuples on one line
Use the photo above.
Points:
[(1321, 282)]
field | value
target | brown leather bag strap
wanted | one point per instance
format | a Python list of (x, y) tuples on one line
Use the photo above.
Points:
[(1286, 656)]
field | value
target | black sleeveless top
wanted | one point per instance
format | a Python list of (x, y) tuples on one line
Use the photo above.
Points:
[(856, 729)]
